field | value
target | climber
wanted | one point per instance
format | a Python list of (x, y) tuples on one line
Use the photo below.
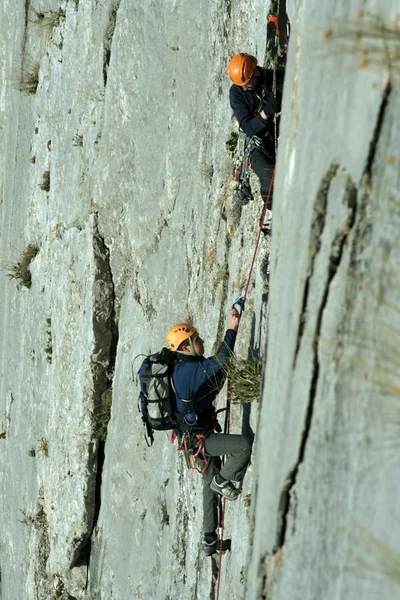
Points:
[(254, 105), (197, 381)]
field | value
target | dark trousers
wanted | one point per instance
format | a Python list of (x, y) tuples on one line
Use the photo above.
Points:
[(216, 445), (263, 167)]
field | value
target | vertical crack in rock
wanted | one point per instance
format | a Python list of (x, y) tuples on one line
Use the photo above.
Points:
[(337, 246), (214, 576), (224, 296), (41, 528), (108, 37), (180, 548), (103, 362), (26, 7), (317, 227), (377, 131)]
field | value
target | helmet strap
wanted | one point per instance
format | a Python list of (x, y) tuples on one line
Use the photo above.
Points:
[(192, 351)]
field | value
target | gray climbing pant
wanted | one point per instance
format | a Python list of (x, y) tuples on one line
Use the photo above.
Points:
[(263, 167), (216, 445)]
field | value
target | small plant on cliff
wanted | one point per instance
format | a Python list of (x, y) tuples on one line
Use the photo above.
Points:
[(231, 142), (44, 447), (45, 185), (21, 270), (27, 79), (244, 378), (164, 514), (77, 140), (103, 416), (46, 21)]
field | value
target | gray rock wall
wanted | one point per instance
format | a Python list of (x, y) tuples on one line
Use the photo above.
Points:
[(126, 134), (326, 519), (130, 118)]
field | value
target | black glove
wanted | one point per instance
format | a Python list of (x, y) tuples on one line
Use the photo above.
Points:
[(271, 104)]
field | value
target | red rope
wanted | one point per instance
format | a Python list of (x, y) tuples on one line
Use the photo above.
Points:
[(222, 527), (228, 406), (259, 234)]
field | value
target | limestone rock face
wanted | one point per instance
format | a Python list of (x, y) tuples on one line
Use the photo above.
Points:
[(329, 422), (114, 118)]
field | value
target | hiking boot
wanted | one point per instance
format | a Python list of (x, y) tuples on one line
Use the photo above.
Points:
[(211, 548), (225, 489)]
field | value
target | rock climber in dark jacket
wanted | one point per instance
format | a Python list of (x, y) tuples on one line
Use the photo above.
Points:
[(197, 381), (254, 105)]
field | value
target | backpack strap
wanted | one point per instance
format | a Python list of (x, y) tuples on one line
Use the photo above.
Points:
[(189, 406)]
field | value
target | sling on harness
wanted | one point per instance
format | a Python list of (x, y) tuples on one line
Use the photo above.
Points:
[(242, 194), (193, 448), (192, 453)]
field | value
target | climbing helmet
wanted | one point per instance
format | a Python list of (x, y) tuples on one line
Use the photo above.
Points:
[(241, 68), (178, 334)]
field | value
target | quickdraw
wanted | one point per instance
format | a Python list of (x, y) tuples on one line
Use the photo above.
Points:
[(193, 453)]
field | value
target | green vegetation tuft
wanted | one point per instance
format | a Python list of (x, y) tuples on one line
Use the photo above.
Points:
[(26, 80), (46, 21), (244, 378), (45, 185), (232, 141), (21, 271), (44, 447), (247, 500), (103, 416), (164, 514)]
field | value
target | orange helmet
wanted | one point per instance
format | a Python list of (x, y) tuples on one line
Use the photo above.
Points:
[(241, 68), (178, 334)]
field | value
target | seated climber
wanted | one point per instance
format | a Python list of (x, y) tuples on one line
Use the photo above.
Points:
[(197, 381), (254, 105)]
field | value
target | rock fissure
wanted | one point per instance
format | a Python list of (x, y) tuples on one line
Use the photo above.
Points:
[(337, 248), (224, 296), (103, 363), (108, 37), (377, 130), (41, 528), (317, 227)]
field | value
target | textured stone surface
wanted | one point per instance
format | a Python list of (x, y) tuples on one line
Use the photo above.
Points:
[(330, 422), (130, 118)]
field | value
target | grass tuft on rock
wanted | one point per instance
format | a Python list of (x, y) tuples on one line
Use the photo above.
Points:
[(46, 21), (45, 185), (26, 80), (244, 378), (21, 270), (104, 416)]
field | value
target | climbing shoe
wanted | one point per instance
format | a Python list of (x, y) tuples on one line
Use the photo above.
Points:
[(211, 548), (225, 489)]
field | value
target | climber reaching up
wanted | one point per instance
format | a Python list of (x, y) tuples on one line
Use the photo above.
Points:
[(255, 100), (197, 381)]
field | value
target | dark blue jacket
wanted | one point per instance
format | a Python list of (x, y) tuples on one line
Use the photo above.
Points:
[(197, 382), (247, 105)]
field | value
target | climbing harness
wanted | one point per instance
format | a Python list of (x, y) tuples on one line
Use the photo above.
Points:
[(192, 451), (192, 445), (242, 194)]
